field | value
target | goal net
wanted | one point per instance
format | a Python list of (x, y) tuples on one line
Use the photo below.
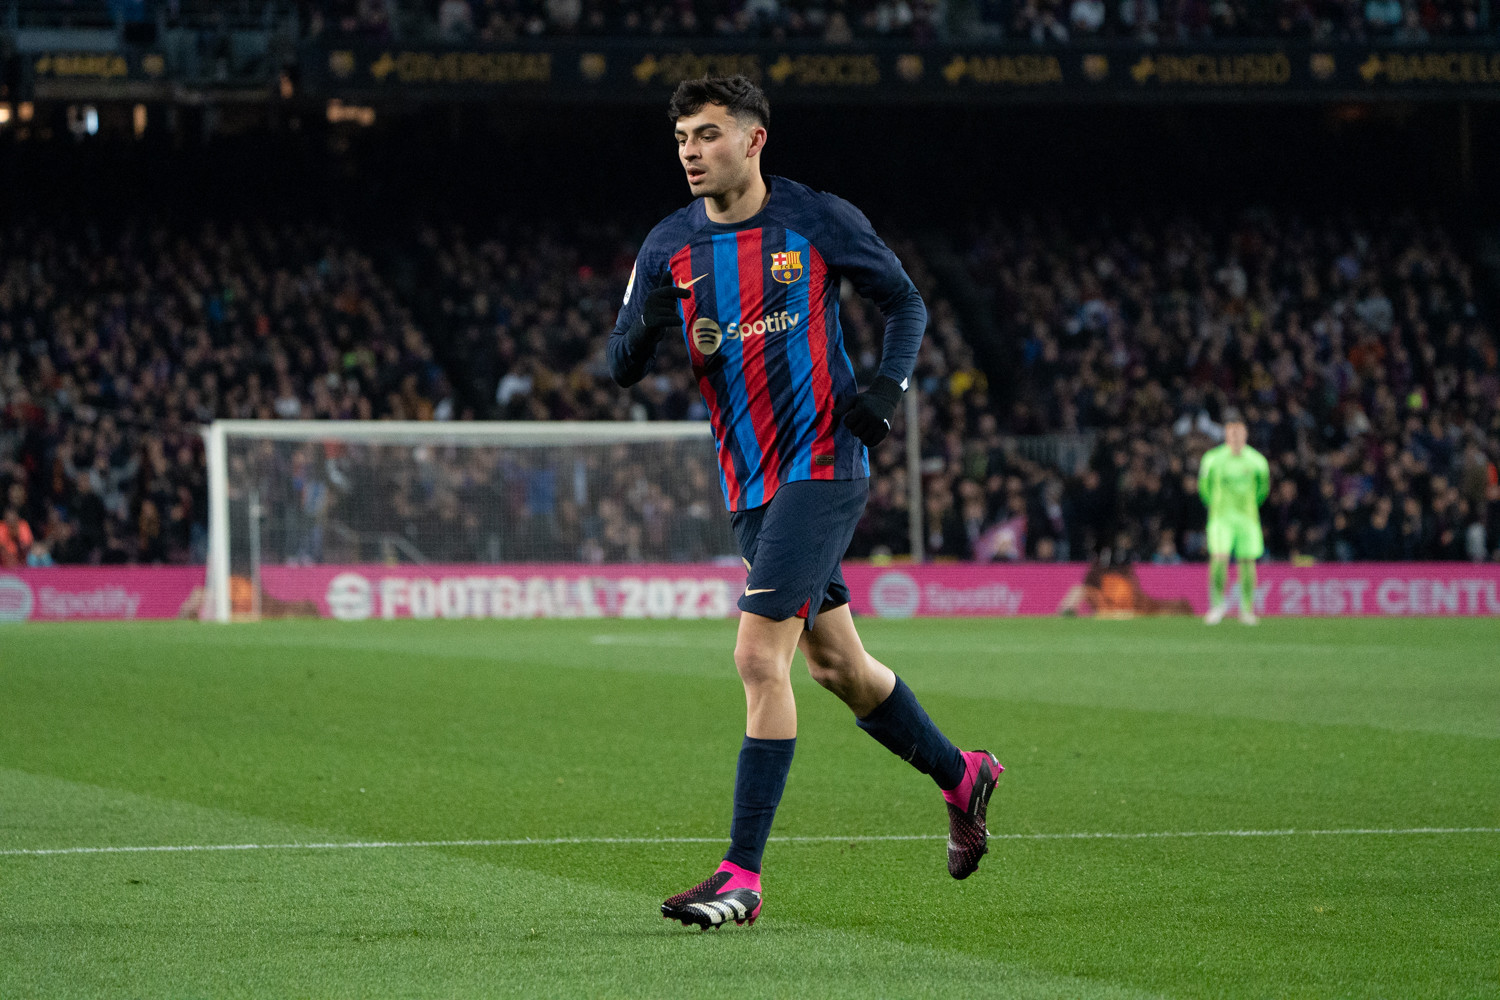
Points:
[(343, 493)]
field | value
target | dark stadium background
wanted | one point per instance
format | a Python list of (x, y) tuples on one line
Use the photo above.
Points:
[(260, 143), (385, 774)]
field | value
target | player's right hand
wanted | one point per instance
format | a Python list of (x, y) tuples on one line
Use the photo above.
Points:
[(659, 317)]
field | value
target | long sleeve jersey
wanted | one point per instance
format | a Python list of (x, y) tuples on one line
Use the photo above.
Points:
[(762, 331), (1234, 485)]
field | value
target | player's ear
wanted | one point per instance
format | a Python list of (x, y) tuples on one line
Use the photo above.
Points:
[(757, 141)]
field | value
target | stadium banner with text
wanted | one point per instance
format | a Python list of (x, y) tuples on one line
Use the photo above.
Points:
[(100, 593), (645, 71), (127, 73), (1040, 589), (709, 590)]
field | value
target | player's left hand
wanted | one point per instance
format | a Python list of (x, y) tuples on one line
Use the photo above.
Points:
[(868, 415)]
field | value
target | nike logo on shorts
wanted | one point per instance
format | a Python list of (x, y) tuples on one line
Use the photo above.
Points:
[(759, 590)]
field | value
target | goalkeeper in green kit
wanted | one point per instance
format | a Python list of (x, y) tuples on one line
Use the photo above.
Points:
[(1234, 480)]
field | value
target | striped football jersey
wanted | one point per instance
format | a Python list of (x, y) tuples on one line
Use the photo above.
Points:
[(762, 331)]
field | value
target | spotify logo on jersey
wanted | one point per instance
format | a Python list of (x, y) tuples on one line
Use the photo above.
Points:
[(707, 335)]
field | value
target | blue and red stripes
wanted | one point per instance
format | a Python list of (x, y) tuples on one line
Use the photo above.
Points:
[(851, 458), (820, 314), (802, 407), (734, 402), (692, 308), (751, 267), (771, 385)]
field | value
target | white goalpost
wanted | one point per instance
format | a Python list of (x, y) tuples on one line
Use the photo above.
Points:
[(308, 493)]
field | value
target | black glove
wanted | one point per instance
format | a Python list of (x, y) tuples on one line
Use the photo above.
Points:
[(659, 317), (868, 415)]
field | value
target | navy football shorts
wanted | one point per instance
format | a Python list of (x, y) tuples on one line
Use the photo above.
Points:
[(793, 545)]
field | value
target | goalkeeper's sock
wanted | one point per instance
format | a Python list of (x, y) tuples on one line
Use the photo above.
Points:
[(902, 727), (1247, 585), (758, 783), (1218, 579)]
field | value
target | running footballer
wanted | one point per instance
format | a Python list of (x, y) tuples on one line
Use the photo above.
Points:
[(749, 274)]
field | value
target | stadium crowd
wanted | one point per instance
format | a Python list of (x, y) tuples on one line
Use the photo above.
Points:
[(918, 22), (1152, 22), (832, 22), (115, 348), (1357, 349)]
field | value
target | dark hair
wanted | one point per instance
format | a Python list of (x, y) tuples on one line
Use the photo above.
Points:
[(737, 94), (1233, 416)]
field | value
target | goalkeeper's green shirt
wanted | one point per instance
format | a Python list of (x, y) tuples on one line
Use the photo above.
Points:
[(1234, 485)]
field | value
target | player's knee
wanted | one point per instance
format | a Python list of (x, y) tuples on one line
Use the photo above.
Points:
[(832, 669), (758, 665)]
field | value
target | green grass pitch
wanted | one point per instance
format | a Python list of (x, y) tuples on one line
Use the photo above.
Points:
[(185, 735)]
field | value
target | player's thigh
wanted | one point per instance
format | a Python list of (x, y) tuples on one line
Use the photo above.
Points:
[(1220, 536), (764, 647), (1249, 541)]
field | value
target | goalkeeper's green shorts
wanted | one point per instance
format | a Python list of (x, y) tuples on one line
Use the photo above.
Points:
[(1239, 536)]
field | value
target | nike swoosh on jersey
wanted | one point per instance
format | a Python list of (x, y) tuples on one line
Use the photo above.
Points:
[(759, 590), (690, 284)]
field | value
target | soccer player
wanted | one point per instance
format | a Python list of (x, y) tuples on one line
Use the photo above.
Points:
[(749, 274), (1233, 480)]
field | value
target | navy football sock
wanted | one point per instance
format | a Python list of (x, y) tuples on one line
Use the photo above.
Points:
[(903, 728), (758, 783)]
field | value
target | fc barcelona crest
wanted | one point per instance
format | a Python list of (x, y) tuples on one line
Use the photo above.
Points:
[(786, 267)]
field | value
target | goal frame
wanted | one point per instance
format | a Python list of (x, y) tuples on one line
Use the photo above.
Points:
[(216, 438)]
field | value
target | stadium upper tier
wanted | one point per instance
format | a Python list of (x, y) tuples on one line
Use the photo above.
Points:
[(1064, 407), (833, 22)]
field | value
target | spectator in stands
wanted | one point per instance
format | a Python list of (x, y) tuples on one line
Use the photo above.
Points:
[(1138, 20), (455, 21), (1411, 31), (1382, 17), (16, 539), (1040, 22), (1086, 17)]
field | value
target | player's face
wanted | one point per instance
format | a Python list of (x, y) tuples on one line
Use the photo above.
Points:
[(1235, 435), (717, 151)]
